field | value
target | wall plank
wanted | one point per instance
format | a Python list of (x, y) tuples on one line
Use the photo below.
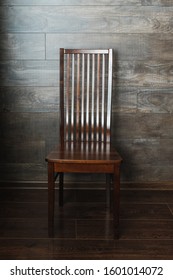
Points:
[(145, 73), (163, 3), (147, 173), (29, 73), (46, 73), (29, 99), (22, 46), (139, 31), (71, 2), (136, 126), (157, 152), (87, 19), (155, 100), (126, 46), (46, 99), (22, 152), (29, 126), (23, 172)]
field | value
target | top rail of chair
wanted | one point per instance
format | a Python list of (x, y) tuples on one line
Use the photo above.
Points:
[(87, 51)]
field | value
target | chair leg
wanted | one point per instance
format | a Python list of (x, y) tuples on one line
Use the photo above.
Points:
[(61, 186), (51, 198), (108, 190), (116, 200)]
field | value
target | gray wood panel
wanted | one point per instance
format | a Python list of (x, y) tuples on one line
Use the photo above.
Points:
[(22, 151), (71, 2), (87, 19), (29, 126), (89, 2), (147, 173), (29, 99), (157, 152), (126, 46), (22, 46), (139, 31), (149, 73), (136, 126), (23, 172), (163, 3), (29, 73), (126, 73), (124, 99), (155, 100), (46, 99)]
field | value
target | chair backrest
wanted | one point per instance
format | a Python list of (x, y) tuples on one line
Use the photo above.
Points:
[(85, 94)]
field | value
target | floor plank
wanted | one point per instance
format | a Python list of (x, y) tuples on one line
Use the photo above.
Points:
[(84, 226)]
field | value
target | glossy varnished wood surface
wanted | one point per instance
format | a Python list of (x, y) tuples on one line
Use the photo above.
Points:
[(84, 151), (85, 124), (85, 94), (84, 226)]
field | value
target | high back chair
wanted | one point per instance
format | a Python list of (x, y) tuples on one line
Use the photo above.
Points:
[(85, 125)]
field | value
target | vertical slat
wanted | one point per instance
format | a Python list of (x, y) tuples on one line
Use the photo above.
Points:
[(78, 97), (92, 97), (72, 100), (98, 97), (67, 95), (62, 95), (109, 94), (87, 98), (84, 114), (82, 101), (103, 97)]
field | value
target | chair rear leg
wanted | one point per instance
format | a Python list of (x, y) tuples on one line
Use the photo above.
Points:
[(116, 200), (61, 189), (108, 190), (51, 198)]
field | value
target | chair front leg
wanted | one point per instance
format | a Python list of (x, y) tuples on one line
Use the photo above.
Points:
[(61, 187), (108, 190), (51, 199), (116, 199)]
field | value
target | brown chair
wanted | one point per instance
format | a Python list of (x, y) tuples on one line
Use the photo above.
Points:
[(85, 126)]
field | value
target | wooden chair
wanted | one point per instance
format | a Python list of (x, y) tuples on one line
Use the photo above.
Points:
[(85, 126)]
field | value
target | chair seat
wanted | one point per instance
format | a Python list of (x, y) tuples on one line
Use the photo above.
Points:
[(84, 152)]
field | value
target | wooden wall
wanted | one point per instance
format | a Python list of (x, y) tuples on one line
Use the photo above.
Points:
[(141, 34)]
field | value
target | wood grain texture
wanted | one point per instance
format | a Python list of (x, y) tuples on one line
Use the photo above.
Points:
[(29, 73), (71, 2), (29, 126), (88, 19), (148, 172), (139, 126), (140, 33), (163, 3), (155, 101), (145, 73), (22, 46), (127, 73), (146, 225), (148, 151), (126, 47), (23, 171), (29, 99)]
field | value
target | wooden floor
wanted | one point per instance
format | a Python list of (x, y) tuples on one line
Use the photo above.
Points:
[(83, 228)]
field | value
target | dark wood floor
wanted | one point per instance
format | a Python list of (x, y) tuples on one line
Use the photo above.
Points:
[(83, 228)]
